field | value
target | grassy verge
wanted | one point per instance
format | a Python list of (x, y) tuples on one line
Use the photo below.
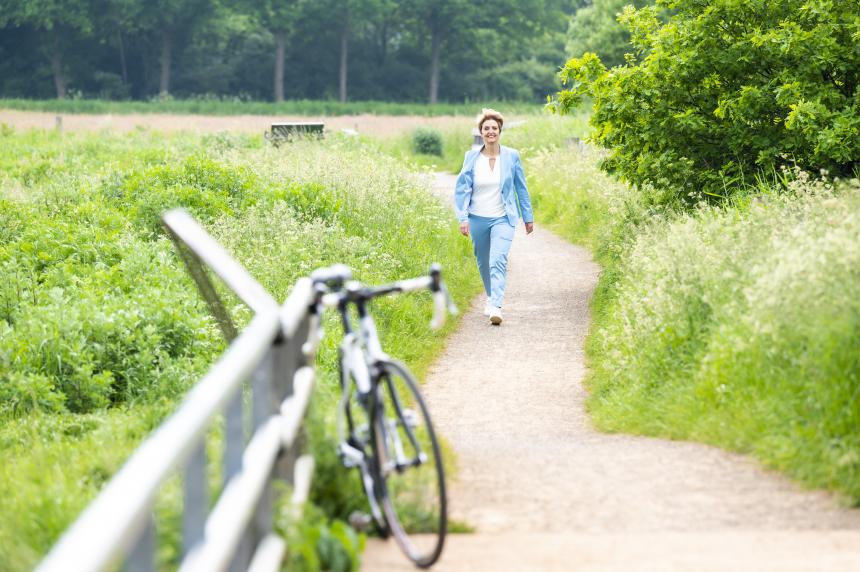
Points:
[(101, 331), (214, 106), (735, 326)]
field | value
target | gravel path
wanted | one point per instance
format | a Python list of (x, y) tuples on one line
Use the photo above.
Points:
[(546, 491)]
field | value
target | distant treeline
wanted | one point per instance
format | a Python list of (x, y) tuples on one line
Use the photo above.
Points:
[(390, 50)]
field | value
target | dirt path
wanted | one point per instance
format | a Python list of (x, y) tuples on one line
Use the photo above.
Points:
[(379, 125), (548, 492)]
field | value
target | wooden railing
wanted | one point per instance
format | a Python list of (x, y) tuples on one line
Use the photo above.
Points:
[(271, 356)]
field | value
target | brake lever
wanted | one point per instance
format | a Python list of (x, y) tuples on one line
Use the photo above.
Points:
[(442, 303), (452, 307)]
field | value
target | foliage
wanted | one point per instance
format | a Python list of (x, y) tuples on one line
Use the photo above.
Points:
[(123, 48), (724, 90), (738, 327), (236, 106), (595, 28), (102, 332), (318, 544), (735, 325), (426, 141)]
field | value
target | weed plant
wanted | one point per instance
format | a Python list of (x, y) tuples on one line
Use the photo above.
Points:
[(735, 325), (102, 332), (427, 141)]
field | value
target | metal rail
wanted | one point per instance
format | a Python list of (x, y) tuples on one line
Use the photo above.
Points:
[(270, 354)]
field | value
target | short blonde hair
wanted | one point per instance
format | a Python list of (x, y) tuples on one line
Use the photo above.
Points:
[(490, 114)]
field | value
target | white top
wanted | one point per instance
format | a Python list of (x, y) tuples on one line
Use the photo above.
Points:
[(487, 189)]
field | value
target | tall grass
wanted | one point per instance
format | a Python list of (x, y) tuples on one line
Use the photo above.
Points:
[(101, 331), (735, 325), (217, 106), (528, 134)]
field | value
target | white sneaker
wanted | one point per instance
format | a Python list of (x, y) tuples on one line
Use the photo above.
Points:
[(495, 315), (487, 308)]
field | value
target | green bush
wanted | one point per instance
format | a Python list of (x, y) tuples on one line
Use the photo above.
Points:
[(318, 544), (426, 141), (724, 90)]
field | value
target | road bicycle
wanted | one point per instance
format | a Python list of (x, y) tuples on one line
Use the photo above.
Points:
[(383, 424)]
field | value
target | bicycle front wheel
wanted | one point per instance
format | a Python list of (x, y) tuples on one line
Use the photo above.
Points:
[(410, 462)]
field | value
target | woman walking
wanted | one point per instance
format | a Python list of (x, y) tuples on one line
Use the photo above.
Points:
[(489, 197)]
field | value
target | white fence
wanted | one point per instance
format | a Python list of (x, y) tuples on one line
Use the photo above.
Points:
[(270, 354)]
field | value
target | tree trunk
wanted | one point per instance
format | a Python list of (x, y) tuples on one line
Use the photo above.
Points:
[(434, 65), (383, 44), (122, 61), (280, 48), (166, 49), (57, 64), (344, 52)]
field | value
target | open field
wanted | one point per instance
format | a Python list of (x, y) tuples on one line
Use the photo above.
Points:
[(365, 124)]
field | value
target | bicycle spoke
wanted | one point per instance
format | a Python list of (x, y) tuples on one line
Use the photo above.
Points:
[(414, 493), (358, 451)]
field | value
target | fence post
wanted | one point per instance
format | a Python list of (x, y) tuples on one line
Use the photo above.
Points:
[(196, 500)]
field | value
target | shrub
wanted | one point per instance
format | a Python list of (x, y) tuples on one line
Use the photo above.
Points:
[(427, 141), (724, 89)]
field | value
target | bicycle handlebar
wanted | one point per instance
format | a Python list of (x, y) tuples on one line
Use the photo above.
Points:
[(335, 275), (336, 286)]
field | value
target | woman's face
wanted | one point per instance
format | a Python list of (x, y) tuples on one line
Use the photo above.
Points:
[(490, 131)]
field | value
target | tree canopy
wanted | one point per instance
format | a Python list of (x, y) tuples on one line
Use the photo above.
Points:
[(724, 90), (406, 50), (595, 28)]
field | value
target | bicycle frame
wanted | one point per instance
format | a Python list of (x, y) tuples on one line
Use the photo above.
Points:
[(381, 412), (360, 356)]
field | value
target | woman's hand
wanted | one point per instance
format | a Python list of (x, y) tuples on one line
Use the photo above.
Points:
[(530, 226), (464, 228)]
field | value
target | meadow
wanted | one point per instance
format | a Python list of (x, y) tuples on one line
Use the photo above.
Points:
[(102, 332), (733, 324)]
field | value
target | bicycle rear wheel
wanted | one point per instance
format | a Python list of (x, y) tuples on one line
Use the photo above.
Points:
[(410, 462), (360, 435)]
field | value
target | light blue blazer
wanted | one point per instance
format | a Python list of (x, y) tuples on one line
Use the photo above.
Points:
[(515, 195)]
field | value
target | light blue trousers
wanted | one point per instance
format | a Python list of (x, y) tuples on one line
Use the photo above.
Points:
[(492, 238)]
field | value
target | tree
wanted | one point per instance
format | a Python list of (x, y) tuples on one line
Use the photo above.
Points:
[(278, 16), (118, 19), (725, 89), (58, 18), (460, 20), (444, 18), (350, 14), (596, 28), (168, 19)]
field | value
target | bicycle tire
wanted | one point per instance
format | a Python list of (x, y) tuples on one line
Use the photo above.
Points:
[(368, 474), (413, 499)]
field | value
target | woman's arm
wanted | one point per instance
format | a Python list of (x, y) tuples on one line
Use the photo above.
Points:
[(522, 192), (463, 191)]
